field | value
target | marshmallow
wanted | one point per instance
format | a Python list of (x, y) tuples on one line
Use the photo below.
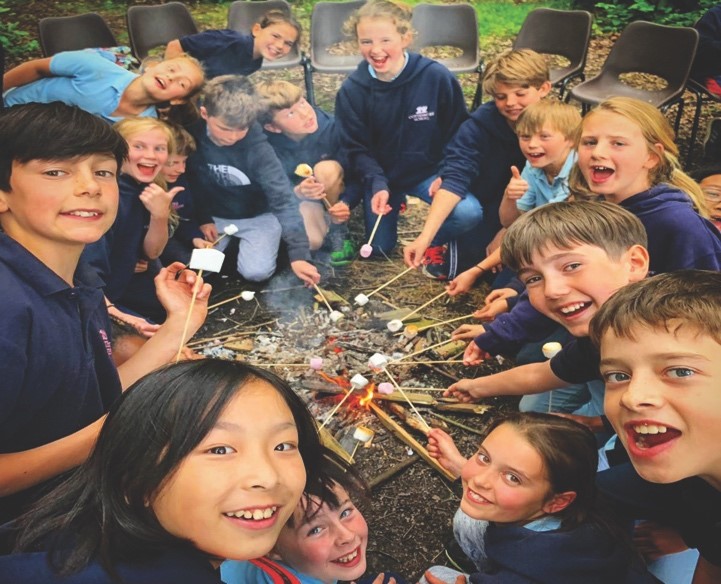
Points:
[(230, 229), (316, 363), (358, 381), (395, 325), (385, 388), (247, 295), (361, 299), (377, 361), (550, 349), (304, 170), (206, 259), (335, 315), (363, 434), (366, 250), (410, 331)]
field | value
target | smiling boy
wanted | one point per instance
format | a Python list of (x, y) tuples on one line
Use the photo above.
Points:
[(660, 344)]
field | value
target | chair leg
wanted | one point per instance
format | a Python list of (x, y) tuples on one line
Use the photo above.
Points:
[(478, 95), (308, 79), (694, 126)]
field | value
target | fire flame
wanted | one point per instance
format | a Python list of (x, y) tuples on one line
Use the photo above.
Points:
[(364, 401)]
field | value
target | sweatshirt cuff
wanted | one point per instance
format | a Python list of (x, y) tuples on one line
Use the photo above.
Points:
[(458, 188)]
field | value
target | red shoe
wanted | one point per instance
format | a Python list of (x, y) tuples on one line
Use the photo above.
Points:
[(434, 262)]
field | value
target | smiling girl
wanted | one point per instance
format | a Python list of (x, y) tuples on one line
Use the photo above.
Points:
[(533, 481), (199, 462)]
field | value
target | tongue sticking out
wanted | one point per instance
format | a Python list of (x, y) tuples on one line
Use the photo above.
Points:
[(652, 440)]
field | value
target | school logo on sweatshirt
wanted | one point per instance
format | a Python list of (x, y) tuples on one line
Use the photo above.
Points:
[(422, 114), (228, 176)]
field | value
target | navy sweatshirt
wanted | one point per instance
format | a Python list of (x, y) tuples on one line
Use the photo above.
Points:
[(707, 62), (243, 181), (394, 132), (585, 555), (480, 156)]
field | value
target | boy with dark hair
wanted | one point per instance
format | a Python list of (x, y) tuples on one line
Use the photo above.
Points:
[(57, 377), (238, 180), (660, 345)]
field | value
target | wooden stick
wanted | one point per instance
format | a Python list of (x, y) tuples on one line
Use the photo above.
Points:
[(196, 289), (212, 306), (307, 365), (375, 228), (328, 441), (422, 306), (411, 363), (393, 279), (317, 289), (434, 325), (335, 409), (217, 241), (326, 202), (418, 352), (403, 393)]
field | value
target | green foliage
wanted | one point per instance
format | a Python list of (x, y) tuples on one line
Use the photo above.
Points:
[(503, 19), (614, 16), (15, 40)]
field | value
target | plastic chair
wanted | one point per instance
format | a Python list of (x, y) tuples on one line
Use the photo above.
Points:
[(453, 25), (72, 33), (243, 14), (644, 47), (153, 26), (326, 30), (2, 72), (558, 32)]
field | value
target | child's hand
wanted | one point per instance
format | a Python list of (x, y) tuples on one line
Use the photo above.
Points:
[(466, 390), (200, 243), (501, 294), (474, 355), (495, 242), (463, 282), (379, 203), (174, 288), (517, 187), (653, 540), (306, 272), (435, 185), (492, 310), (157, 201), (443, 449), (413, 252), (141, 325), (209, 231), (431, 579), (141, 266), (339, 213), (467, 331), (310, 189)]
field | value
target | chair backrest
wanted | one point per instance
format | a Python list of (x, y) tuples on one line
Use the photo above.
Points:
[(72, 33), (645, 47), (243, 14), (557, 32), (153, 26), (2, 72), (453, 25), (326, 30)]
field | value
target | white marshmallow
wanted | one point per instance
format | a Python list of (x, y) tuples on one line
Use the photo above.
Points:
[(550, 349), (316, 363), (377, 361), (358, 381), (395, 325), (335, 315), (247, 295), (361, 299), (206, 259), (363, 434), (386, 388), (231, 229)]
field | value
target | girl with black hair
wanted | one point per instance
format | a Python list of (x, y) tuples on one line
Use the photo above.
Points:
[(199, 462)]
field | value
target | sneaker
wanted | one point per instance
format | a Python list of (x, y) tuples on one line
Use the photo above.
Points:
[(344, 256), (434, 263), (712, 142)]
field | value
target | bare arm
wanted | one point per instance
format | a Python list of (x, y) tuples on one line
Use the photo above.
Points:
[(706, 573), (508, 211), (27, 73), (173, 49)]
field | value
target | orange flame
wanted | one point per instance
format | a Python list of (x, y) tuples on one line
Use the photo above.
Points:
[(364, 401), (340, 381)]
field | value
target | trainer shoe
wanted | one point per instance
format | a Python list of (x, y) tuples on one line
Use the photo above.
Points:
[(434, 263), (344, 256)]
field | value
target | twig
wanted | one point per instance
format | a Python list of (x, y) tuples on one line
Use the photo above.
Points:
[(391, 472), (434, 325), (422, 306), (457, 424), (320, 293), (403, 393)]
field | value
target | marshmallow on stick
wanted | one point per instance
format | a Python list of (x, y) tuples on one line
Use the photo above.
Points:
[(363, 435), (335, 315), (405, 397), (367, 249), (362, 299), (306, 171), (357, 383), (231, 229)]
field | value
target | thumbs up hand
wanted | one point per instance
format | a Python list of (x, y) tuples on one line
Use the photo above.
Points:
[(517, 187)]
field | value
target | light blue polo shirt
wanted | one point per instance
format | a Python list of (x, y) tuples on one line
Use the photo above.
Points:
[(540, 191)]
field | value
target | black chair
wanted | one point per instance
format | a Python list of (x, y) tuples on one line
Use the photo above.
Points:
[(72, 33), (643, 47), (2, 72), (558, 32), (454, 25), (153, 26), (243, 14)]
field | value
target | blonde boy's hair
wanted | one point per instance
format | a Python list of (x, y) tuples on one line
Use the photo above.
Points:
[(399, 14), (559, 116), (129, 127), (684, 298), (232, 99), (568, 224), (277, 95), (522, 67), (656, 130)]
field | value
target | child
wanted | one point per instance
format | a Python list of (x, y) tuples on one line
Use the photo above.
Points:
[(57, 378), (302, 134), (92, 82), (228, 52), (396, 113), (478, 160), (238, 180), (532, 480), (140, 230), (546, 131), (186, 234), (660, 343), (709, 179), (200, 461)]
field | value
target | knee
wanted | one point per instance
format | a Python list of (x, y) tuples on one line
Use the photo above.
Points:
[(330, 174), (256, 273)]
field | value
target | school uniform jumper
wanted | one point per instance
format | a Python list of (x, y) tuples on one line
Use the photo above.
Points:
[(85, 79), (222, 52), (180, 245), (244, 184), (394, 133), (56, 371)]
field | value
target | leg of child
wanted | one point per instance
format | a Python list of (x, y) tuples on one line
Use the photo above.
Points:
[(386, 235), (258, 247), (315, 223)]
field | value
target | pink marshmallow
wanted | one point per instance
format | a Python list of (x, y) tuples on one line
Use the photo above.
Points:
[(316, 363), (385, 388), (366, 250)]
